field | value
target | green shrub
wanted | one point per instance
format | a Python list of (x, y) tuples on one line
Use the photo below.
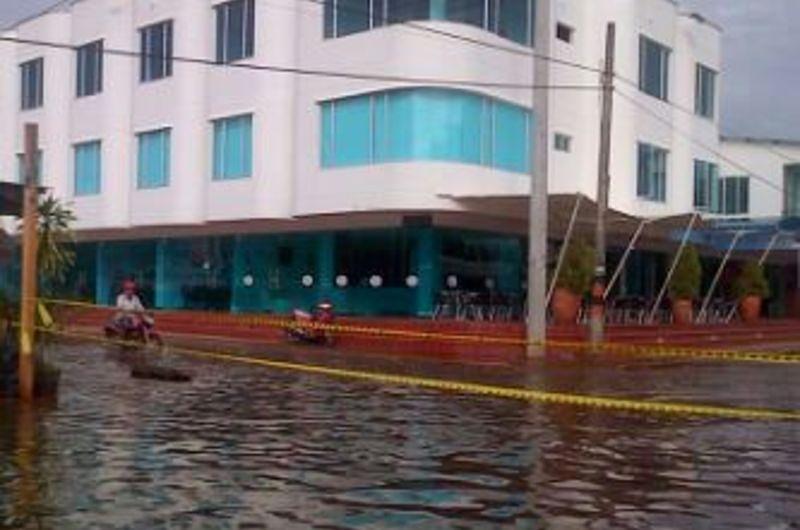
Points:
[(685, 282), (751, 282), (577, 271)]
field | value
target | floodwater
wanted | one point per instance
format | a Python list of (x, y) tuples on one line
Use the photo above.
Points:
[(244, 447)]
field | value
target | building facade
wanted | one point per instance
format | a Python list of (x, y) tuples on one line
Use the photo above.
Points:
[(259, 156)]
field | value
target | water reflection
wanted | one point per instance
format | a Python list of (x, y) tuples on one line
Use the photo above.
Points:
[(245, 448)]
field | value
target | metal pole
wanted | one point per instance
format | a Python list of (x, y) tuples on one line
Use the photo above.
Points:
[(563, 252), (597, 318), (684, 242), (624, 260), (717, 276), (761, 261), (540, 146), (29, 249)]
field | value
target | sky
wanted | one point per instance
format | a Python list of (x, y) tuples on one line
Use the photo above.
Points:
[(761, 72)]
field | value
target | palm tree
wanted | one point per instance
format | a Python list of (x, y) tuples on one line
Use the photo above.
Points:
[(56, 241)]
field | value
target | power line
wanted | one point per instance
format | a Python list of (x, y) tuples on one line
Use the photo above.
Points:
[(305, 71), (700, 144)]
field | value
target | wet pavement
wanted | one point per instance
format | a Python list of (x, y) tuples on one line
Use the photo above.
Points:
[(249, 447)]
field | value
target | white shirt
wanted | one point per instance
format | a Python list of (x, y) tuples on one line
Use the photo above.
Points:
[(129, 303)]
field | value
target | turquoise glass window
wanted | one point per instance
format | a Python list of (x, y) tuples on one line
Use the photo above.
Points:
[(425, 124), (233, 148), (154, 159), (87, 168)]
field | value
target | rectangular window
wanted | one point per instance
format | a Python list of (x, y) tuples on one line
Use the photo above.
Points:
[(564, 32), (706, 187), (236, 30), (156, 47), (153, 159), (651, 182), (425, 124), (791, 190), (511, 19), (32, 84), (654, 68), (38, 161), (705, 91), (90, 69), (87, 168), (563, 142), (233, 148), (734, 195)]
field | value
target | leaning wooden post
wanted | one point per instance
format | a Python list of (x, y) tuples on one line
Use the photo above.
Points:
[(30, 243)]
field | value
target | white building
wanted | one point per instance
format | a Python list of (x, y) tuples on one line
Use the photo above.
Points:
[(265, 182)]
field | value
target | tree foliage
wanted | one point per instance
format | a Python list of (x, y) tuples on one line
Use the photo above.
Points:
[(685, 282), (577, 272)]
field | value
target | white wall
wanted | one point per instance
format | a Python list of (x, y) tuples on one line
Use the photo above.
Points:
[(288, 181), (666, 125), (764, 162)]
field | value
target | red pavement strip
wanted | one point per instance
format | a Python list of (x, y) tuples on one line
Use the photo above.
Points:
[(242, 329)]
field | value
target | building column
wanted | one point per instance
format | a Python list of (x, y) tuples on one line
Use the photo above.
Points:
[(168, 293), (427, 266), (325, 247), (103, 282), (249, 282)]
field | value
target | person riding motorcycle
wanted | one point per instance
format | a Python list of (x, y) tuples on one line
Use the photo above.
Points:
[(130, 309)]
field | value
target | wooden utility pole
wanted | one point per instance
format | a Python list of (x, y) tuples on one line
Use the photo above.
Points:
[(597, 315), (30, 244)]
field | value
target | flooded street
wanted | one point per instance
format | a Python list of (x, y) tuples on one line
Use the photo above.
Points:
[(245, 447)]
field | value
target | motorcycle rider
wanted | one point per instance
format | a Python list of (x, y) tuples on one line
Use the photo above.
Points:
[(129, 306)]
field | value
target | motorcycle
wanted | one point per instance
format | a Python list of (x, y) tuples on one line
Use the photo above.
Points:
[(303, 327), (139, 329)]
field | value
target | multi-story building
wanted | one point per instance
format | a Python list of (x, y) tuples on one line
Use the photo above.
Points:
[(260, 155)]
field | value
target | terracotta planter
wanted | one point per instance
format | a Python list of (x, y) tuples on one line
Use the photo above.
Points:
[(682, 312), (566, 305), (750, 308)]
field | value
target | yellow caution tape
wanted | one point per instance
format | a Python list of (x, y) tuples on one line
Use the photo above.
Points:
[(638, 350), (521, 394)]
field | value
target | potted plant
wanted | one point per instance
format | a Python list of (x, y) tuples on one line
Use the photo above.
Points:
[(750, 288), (684, 286), (573, 282)]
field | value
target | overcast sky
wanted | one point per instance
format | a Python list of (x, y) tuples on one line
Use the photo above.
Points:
[(761, 61)]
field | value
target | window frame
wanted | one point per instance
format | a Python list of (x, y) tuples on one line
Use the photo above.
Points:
[(569, 35), (565, 144), (703, 107), (740, 184), (222, 30), (663, 91), (387, 144), (215, 164), (32, 99), (166, 159), (658, 193), (147, 58), (707, 175), (98, 186), (81, 79), (381, 13)]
